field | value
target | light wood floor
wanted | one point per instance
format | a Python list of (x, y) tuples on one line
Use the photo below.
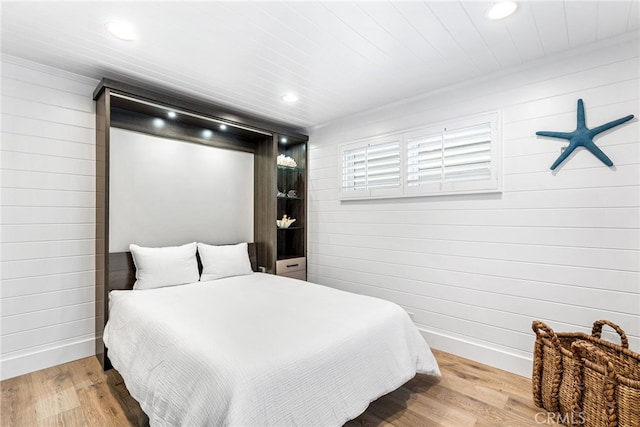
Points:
[(468, 394)]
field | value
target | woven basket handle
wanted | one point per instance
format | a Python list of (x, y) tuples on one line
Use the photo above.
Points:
[(543, 331), (596, 332), (586, 350)]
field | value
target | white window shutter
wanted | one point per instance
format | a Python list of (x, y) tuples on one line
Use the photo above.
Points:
[(459, 158), (371, 169), (354, 169), (467, 153), (424, 159), (383, 165)]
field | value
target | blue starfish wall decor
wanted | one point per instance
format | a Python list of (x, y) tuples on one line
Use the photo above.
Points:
[(583, 137)]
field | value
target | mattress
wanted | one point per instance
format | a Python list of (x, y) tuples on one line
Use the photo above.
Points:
[(260, 350)]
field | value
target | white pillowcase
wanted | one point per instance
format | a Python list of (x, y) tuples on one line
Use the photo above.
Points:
[(168, 266), (224, 261)]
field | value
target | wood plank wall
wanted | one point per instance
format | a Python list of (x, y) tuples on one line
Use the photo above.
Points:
[(562, 247), (47, 217)]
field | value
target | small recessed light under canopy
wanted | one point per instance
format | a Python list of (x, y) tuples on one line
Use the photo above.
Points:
[(172, 114), (283, 139), (207, 133), (223, 126), (290, 97), (501, 9), (122, 30)]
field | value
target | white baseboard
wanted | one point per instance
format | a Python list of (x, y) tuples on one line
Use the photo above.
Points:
[(509, 362), (496, 358), (46, 358)]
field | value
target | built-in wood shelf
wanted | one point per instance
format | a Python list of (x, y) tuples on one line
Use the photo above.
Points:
[(130, 107)]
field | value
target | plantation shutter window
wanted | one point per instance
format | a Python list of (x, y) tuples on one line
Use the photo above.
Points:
[(372, 169), (449, 155), (467, 153), (354, 174), (424, 159), (383, 165), (461, 157)]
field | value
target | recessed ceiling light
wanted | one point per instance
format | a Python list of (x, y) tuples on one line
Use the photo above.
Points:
[(501, 9), (283, 139), (290, 97), (172, 114), (207, 133), (158, 122), (122, 30), (223, 127)]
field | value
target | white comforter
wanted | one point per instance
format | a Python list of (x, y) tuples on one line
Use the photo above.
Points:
[(260, 350)]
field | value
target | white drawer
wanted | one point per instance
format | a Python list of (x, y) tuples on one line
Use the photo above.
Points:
[(285, 266), (300, 274)]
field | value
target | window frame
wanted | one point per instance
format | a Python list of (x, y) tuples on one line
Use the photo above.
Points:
[(492, 184)]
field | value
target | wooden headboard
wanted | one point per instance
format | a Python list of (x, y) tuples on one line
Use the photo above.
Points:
[(122, 270)]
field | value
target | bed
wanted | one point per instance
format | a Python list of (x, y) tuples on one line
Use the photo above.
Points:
[(257, 349)]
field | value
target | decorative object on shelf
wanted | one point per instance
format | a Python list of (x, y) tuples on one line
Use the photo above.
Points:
[(287, 161), (285, 222), (291, 194), (583, 137)]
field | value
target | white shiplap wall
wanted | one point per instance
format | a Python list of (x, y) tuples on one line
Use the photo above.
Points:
[(562, 246), (47, 221)]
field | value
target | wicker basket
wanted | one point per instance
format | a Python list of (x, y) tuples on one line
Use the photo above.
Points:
[(607, 386), (554, 363)]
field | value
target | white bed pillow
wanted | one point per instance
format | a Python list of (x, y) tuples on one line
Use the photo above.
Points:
[(168, 266), (224, 261)]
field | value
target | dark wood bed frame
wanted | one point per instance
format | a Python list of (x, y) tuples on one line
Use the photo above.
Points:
[(122, 275)]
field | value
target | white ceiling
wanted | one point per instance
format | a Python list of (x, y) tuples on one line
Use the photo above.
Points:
[(339, 57)]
